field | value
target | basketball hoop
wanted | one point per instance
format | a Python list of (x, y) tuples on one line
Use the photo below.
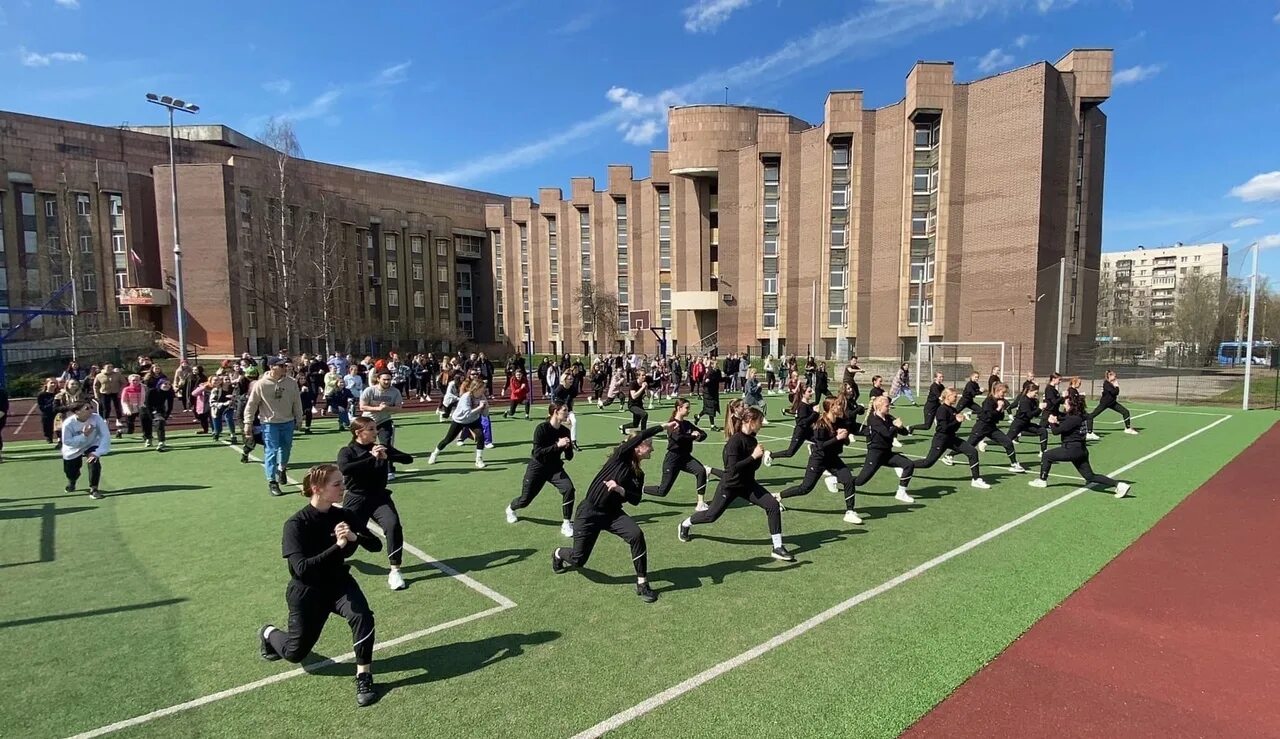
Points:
[(639, 320)]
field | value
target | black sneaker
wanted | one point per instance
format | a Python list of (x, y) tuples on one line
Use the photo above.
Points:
[(264, 647), (95, 493), (557, 565), (782, 554), (273, 487), (70, 488), (682, 532), (576, 448), (365, 694), (282, 477), (244, 458), (645, 592)]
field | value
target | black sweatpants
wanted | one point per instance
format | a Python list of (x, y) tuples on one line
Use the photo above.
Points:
[(310, 607), (710, 409), (516, 404), (535, 477), (1020, 427), (672, 466), (46, 425), (381, 511), (798, 437), (998, 437), (108, 401), (930, 410), (755, 495), (586, 529), (71, 468), (1078, 456), (639, 419), (813, 473), (943, 444), (1102, 406), (386, 437), (876, 459), (456, 428)]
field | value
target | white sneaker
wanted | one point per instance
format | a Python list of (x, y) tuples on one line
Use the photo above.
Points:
[(395, 580), (708, 469), (832, 484), (488, 446), (432, 459), (948, 460), (1131, 431), (1015, 467), (897, 444), (1038, 483), (1122, 489), (898, 471), (768, 458), (903, 496), (765, 422), (459, 442), (391, 476), (566, 529), (982, 445), (980, 484), (701, 506), (511, 515), (1092, 436), (479, 461), (851, 517)]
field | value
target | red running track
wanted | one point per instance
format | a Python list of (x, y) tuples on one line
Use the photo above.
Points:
[(1179, 636)]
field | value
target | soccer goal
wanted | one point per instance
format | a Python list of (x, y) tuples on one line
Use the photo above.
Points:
[(956, 359)]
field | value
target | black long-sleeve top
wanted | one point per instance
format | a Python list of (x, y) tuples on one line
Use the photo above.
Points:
[(680, 441), (992, 381), (364, 475), (602, 502), (882, 433), (827, 447), (820, 387), (1110, 392), (160, 402), (852, 413), (946, 425), (806, 414), (1028, 409), (545, 453), (991, 415), (739, 466), (635, 397), (711, 385), (315, 559), (971, 391), (1052, 399), (46, 403), (1071, 429), (875, 392), (935, 395)]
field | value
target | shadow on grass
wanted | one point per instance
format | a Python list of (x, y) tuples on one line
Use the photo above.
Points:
[(143, 490), (462, 565), (89, 614), (691, 577), (446, 661)]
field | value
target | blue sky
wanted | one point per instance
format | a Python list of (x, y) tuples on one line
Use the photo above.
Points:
[(512, 95)]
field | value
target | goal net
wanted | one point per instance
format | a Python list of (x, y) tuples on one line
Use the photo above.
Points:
[(957, 359)]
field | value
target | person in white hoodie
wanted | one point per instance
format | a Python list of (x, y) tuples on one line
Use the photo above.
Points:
[(85, 439), (466, 415)]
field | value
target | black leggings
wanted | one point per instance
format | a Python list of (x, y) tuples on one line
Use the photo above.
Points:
[(387, 437), (877, 458), (46, 424), (755, 495), (383, 512), (798, 437), (108, 401), (944, 444), (1020, 427), (511, 411), (587, 530), (1078, 456), (639, 419), (535, 477), (310, 607), (672, 466), (456, 428), (813, 473), (930, 410), (1104, 405), (998, 437), (153, 424), (71, 468)]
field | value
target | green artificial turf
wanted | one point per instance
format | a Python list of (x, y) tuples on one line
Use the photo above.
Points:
[(152, 597)]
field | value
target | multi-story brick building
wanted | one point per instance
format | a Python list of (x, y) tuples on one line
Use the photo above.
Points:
[(1140, 287), (754, 231)]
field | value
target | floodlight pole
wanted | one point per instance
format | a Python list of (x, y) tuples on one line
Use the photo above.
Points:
[(1248, 352), (1062, 286), (179, 296)]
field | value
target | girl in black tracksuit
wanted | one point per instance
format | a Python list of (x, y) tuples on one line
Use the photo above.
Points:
[(931, 403), (620, 481), (1111, 399), (365, 464), (830, 438), (1024, 418), (882, 431), (552, 447), (680, 441), (805, 413), (1050, 405), (971, 391), (743, 455), (47, 402), (988, 425), (946, 439), (565, 394), (156, 412), (710, 396), (635, 403), (1070, 425), (317, 541)]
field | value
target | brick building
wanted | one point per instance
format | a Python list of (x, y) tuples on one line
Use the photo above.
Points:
[(1139, 288)]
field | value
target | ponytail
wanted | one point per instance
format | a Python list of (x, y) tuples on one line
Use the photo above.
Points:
[(679, 402), (733, 417), (317, 476), (801, 388)]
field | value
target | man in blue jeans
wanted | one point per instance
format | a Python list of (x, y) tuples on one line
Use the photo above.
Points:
[(277, 403)]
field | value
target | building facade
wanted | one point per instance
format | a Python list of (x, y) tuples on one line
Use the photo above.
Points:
[(1140, 287)]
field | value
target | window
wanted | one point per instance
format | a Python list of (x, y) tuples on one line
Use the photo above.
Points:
[(415, 244), (89, 282), (393, 327), (117, 244), (419, 300), (86, 244), (389, 242), (442, 274), (392, 270), (251, 317), (82, 205), (417, 271), (51, 208), (443, 301), (1197, 258), (920, 181), (442, 247), (771, 284), (769, 273), (393, 298), (122, 280), (1184, 259), (664, 229), (368, 267), (55, 244), (126, 321)]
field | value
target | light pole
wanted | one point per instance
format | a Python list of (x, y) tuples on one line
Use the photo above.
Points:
[(1248, 352), (171, 104)]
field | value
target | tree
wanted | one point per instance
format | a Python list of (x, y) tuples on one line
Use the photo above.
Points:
[(283, 243), (329, 266), (599, 314), (1196, 315)]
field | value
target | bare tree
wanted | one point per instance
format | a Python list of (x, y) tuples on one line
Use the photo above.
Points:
[(599, 312), (283, 243), (329, 266), (1196, 314)]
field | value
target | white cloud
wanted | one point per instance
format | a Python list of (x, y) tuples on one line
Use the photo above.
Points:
[(1246, 222), (1044, 6), (1022, 41), (1270, 241), (393, 75), (319, 107), (1276, 18), (708, 15), (994, 61), (1265, 186), (69, 4), (279, 87), (35, 59), (1135, 74), (641, 133), (578, 23)]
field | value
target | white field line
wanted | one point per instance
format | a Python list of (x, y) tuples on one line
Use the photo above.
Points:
[(670, 694), (503, 603), (1133, 417), (23, 422)]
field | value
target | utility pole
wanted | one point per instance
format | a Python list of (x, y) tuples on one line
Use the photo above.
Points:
[(1062, 286)]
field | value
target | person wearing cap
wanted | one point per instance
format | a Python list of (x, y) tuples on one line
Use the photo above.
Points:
[(277, 402)]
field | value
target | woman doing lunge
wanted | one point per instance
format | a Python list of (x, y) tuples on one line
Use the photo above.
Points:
[(971, 391), (680, 441), (620, 481), (931, 403), (946, 439), (635, 403), (85, 440), (570, 386), (365, 464), (1070, 426), (317, 541), (883, 431), (830, 438), (742, 457), (710, 397), (1110, 399), (1024, 418), (466, 415), (552, 447), (988, 425), (805, 413)]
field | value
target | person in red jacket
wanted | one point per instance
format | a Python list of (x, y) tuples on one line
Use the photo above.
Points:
[(518, 393)]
